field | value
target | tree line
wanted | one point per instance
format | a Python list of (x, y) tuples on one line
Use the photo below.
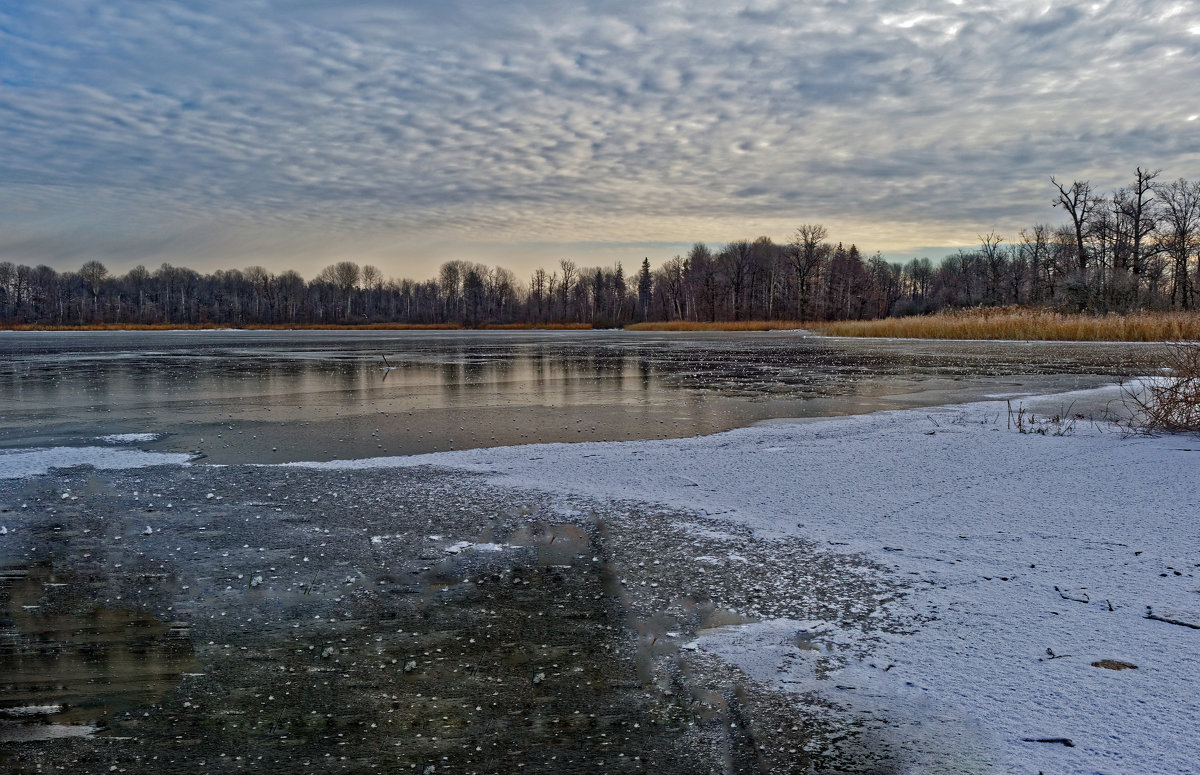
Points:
[(1135, 248)]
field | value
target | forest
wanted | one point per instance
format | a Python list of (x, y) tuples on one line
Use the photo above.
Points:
[(1136, 248)]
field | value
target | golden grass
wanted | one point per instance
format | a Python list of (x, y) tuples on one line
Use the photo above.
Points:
[(726, 325), (979, 323), (1025, 323)]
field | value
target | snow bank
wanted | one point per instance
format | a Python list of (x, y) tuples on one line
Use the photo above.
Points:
[(20, 463)]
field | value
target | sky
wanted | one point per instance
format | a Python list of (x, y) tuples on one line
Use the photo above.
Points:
[(296, 133)]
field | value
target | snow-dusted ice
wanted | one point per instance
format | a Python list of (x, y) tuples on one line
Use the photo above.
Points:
[(1037, 562), (128, 438), (21, 463)]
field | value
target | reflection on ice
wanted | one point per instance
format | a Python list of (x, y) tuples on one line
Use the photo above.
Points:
[(280, 396)]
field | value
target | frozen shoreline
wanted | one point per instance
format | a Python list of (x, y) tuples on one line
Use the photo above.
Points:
[(1025, 559), (1023, 547)]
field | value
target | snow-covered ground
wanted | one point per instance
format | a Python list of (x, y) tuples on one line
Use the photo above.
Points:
[(1031, 558)]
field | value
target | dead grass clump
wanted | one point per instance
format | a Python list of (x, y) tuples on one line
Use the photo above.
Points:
[(720, 325), (1171, 403), (1021, 323), (1024, 421)]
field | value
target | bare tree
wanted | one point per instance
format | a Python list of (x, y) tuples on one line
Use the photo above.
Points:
[(1181, 233), (1035, 248), (991, 248), (1078, 201), (93, 274), (808, 250), (344, 276), (1136, 206)]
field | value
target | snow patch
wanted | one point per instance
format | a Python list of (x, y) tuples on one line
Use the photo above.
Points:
[(463, 546), (22, 463), (128, 438)]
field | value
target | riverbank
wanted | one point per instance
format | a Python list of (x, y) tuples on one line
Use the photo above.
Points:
[(302, 327), (720, 325), (992, 323), (984, 324)]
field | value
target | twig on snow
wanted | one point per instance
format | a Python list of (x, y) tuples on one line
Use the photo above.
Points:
[(1060, 740), (1151, 615)]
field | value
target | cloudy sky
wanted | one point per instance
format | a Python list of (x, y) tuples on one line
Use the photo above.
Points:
[(292, 133)]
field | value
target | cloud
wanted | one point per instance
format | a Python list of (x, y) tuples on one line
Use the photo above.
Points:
[(220, 129)]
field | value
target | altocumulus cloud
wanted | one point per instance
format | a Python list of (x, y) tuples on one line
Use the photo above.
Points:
[(269, 129)]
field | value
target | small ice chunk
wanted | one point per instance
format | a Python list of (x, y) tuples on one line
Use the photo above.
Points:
[(127, 438)]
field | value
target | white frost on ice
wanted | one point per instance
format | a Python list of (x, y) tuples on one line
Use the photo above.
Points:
[(21, 463), (985, 522), (463, 546), (127, 438)]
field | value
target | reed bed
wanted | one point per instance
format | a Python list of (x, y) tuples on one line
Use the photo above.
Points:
[(1025, 324), (720, 325)]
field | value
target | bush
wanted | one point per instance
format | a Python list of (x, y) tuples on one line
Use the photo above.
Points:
[(1169, 404)]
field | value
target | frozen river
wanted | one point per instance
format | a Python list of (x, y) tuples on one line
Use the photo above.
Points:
[(265, 396), (825, 597)]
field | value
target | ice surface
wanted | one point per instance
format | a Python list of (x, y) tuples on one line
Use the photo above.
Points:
[(19, 463), (127, 438), (987, 522)]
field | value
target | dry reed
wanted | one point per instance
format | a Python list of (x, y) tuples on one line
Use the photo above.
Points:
[(1025, 324)]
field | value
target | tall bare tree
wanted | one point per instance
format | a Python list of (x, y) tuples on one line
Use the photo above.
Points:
[(1078, 201), (1181, 234), (1136, 206), (808, 250)]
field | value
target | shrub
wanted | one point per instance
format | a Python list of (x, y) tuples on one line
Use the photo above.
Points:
[(1170, 403)]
